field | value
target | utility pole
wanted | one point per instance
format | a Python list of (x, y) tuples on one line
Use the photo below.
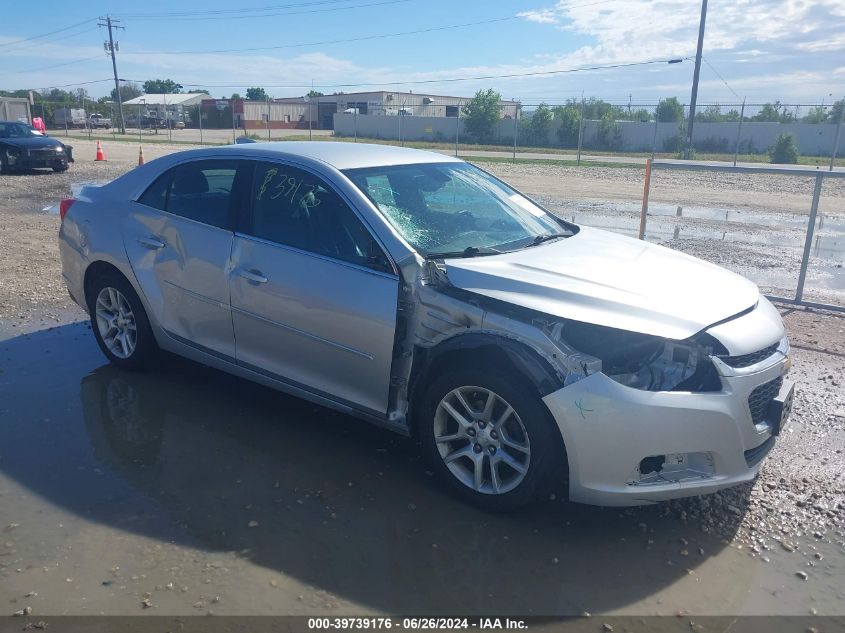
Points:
[(110, 48), (694, 95)]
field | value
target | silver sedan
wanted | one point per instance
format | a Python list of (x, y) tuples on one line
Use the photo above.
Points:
[(420, 293)]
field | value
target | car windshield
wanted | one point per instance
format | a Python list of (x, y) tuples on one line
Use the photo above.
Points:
[(16, 130), (455, 209)]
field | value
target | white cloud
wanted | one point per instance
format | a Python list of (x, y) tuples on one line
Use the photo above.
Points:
[(765, 49), (638, 29)]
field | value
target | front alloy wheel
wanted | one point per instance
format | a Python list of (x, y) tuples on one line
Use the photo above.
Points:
[(488, 435), (482, 440)]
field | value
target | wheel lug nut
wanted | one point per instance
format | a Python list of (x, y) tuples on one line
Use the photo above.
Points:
[(481, 424), (491, 450), (476, 448), (494, 435), (471, 432)]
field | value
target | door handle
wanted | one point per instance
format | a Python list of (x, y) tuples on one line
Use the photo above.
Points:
[(151, 243), (254, 276)]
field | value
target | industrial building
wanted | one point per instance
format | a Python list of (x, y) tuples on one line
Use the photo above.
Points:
[(165, 106), (318, 112)]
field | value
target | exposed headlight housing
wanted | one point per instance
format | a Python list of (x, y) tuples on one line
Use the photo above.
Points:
[(668, 367), (640, 361)]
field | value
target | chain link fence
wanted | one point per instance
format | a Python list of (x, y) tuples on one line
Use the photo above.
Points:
[(731, 131), (723, 131), (781, 226)]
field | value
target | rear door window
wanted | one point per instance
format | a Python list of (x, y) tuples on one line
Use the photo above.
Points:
[(201, 191)]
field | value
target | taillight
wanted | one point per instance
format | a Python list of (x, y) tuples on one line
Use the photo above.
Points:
[(64, 206)]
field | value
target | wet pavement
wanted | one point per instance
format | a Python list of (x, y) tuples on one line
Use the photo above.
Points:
[(188, 491)]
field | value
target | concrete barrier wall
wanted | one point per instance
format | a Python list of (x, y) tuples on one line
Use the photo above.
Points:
[(634, 136)]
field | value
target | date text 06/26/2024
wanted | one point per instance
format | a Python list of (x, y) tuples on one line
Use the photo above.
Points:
[(359, 623)]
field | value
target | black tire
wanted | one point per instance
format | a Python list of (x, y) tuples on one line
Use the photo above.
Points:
[(536, 420), (145, 348)]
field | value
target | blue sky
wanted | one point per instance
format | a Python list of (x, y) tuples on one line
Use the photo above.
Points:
[(792, 50)]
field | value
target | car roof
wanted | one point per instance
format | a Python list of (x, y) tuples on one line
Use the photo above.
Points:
[(340, 155)]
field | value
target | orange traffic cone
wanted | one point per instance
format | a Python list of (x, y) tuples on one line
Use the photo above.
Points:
[(140, 155), (100, 154)]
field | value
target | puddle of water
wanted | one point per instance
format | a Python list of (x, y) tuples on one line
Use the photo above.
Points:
[(735, 216), (739, 227), (189, 476)]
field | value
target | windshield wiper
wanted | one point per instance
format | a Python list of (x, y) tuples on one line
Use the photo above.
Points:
[(545, 237), (469, 251)]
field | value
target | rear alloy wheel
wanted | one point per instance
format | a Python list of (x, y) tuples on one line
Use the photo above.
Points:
[(489, 436), (119, 322), (116, 322)]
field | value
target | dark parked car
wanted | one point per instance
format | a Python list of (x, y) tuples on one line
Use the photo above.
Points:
[(23, 147)]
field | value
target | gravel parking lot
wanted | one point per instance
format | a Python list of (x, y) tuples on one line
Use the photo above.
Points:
[(189, 491)]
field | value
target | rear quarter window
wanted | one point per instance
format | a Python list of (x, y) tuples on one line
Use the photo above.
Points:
[(156, 194)]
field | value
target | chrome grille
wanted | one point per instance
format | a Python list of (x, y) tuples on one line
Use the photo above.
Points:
[(761, 397), (746, 360), (41, 153)]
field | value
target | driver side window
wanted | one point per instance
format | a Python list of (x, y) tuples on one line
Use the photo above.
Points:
[(293, 207)]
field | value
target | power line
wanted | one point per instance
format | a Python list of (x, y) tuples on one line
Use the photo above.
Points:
[(36, 37), (31, 70), (79, 83), (447, 79), (270, 15), (350, 39), (707, 61), (55, 39), (176, 14), (338, 41)]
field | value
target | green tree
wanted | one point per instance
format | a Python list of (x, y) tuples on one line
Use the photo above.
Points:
[(816, 115), (161, 86), (710, 114), (129, 90), (540, 124), (595, 109), (236, 95), (784, 150), (835, 115), (640, 114), (481, 114), (669, 110), (256, 94), (775, 113), (569, 122), (316, 93), (609, 135)]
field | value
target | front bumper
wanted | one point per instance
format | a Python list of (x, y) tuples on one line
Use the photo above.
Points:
[(40, 158), (609, 429)]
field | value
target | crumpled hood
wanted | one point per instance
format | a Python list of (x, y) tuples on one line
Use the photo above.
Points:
[(612, 280)]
